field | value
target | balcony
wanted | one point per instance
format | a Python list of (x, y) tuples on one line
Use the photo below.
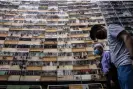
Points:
[(65, 78), (78, 35), (1, 58), (48, 78), (65, 58), (5, 67), (65, 50), (13, 34), (4, 29), (80, 67), (82, 78), (78, 24), (53, 50), (15, 67), (50, 42), (77, 41), (89, 49), (13, 78), (43, 8), (17, 24), (16, 29), (75, 86), (11, 42), (7, 53), (51, 35), (95, 18), (34, 68), (93, 66), (66, 67), (3, 77), (24, 42), (51, 30), (34, 59), (49, 68), (6, 58), (9, 49), (7, 23), (79, 50), (34, 63), (10, 14), (22, 49), (38, 36), (65, 35), (33, 42), (36, 49), (85, 29), (92, 57), (2, 42), (30, 78), (79, 45), (97, 22), (50, 59)]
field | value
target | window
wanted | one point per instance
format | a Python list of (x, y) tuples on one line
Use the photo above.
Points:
[(50, 46), (10, 45), (25, 39), (23, 46), (2, 38)]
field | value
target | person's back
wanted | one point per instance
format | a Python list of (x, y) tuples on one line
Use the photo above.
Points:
[(120, 56), (119, 53)]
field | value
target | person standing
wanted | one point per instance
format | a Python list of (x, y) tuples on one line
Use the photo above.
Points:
[(121, 50), (107, 67)]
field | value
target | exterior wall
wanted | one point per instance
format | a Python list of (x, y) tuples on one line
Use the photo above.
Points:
[(49, 41)]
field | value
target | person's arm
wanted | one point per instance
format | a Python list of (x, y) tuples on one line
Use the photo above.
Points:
[(105, 63), (128, 40)]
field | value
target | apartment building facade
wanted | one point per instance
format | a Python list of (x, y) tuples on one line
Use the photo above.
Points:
[(119, 12), (48, 41)]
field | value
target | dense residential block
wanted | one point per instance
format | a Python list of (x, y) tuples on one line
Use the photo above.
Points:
[(44, 40)]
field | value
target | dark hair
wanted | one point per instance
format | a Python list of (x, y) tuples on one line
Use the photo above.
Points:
[(93, 31)]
